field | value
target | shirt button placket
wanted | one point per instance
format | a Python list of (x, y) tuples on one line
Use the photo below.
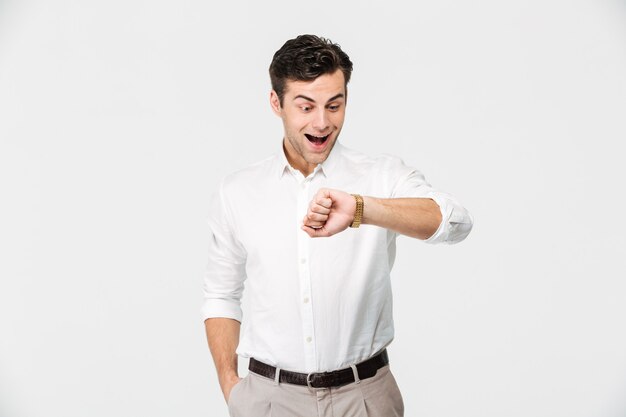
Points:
[(304, 273)]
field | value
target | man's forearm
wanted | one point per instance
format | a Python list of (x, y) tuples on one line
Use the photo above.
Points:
[(223, 338), (332, 211), (414, 217)]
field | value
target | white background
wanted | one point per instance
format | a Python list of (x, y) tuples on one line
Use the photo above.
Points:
[(117, 119)]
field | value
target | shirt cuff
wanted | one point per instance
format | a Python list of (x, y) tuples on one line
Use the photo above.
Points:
[(213, 308), (456, 222)]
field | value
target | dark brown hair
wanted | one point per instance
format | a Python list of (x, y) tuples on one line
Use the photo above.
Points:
[(305, 58)]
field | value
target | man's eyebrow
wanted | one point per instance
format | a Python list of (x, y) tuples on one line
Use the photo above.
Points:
[(335, 97), (304, 97)]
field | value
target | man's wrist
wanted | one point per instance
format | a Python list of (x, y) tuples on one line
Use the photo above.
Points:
[(230, 376)]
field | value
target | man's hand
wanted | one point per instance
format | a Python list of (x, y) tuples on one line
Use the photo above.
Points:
[(227, 385), (330, 212)]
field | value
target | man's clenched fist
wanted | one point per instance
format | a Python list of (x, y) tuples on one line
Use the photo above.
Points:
[(330, 212)]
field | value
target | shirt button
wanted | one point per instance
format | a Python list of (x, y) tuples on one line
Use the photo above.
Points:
[(309, 339), (306, 300), (303, 261)]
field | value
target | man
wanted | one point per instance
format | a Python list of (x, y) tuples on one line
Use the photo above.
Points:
[(320, 310)]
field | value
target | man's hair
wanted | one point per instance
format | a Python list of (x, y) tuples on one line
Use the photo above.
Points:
[(305, 58)]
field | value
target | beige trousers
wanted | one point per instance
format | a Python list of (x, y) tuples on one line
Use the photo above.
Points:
[(257, 396)]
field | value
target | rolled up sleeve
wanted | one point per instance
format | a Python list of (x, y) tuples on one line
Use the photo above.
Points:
[(225, 272), (456, 221)]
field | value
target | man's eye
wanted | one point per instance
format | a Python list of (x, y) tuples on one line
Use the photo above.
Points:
[(306, 108), (333, 108)]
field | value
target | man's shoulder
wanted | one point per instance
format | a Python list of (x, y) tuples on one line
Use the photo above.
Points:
[(251, 174), (383, 161)]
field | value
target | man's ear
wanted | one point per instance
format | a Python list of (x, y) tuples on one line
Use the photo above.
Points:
[(275, 103)]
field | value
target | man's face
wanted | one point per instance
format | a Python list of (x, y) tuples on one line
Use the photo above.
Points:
[(312, 114)]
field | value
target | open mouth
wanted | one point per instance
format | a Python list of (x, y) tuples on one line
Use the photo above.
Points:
[(317, 140)]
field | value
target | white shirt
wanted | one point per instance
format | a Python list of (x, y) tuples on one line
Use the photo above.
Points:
[(315, 304)]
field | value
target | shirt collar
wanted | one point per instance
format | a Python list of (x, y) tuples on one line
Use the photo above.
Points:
[(282, 165), (327, 167)]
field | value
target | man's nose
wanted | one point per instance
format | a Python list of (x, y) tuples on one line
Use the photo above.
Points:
[(320, 122)]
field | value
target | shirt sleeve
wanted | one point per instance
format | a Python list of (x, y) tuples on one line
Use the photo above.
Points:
[(225, 272), (456, 221)]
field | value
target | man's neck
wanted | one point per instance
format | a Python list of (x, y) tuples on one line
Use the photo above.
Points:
[(297, 162)]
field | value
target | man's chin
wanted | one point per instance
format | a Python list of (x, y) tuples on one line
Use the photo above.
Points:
[(319, 157)]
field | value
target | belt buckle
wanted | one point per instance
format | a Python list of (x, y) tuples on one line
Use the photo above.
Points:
[(311, 376), (325, 377), (308, 380)]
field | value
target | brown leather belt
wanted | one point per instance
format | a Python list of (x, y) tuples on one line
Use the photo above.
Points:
[(365, 369)]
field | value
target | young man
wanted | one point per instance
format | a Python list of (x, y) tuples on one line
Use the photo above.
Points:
[(320, 313)]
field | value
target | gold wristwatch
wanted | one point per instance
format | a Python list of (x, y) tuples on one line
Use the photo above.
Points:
[(358, 214)]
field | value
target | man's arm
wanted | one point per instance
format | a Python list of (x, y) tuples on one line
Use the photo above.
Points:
[(332, 211), (223, 289), (223, 337), (415, 217)]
